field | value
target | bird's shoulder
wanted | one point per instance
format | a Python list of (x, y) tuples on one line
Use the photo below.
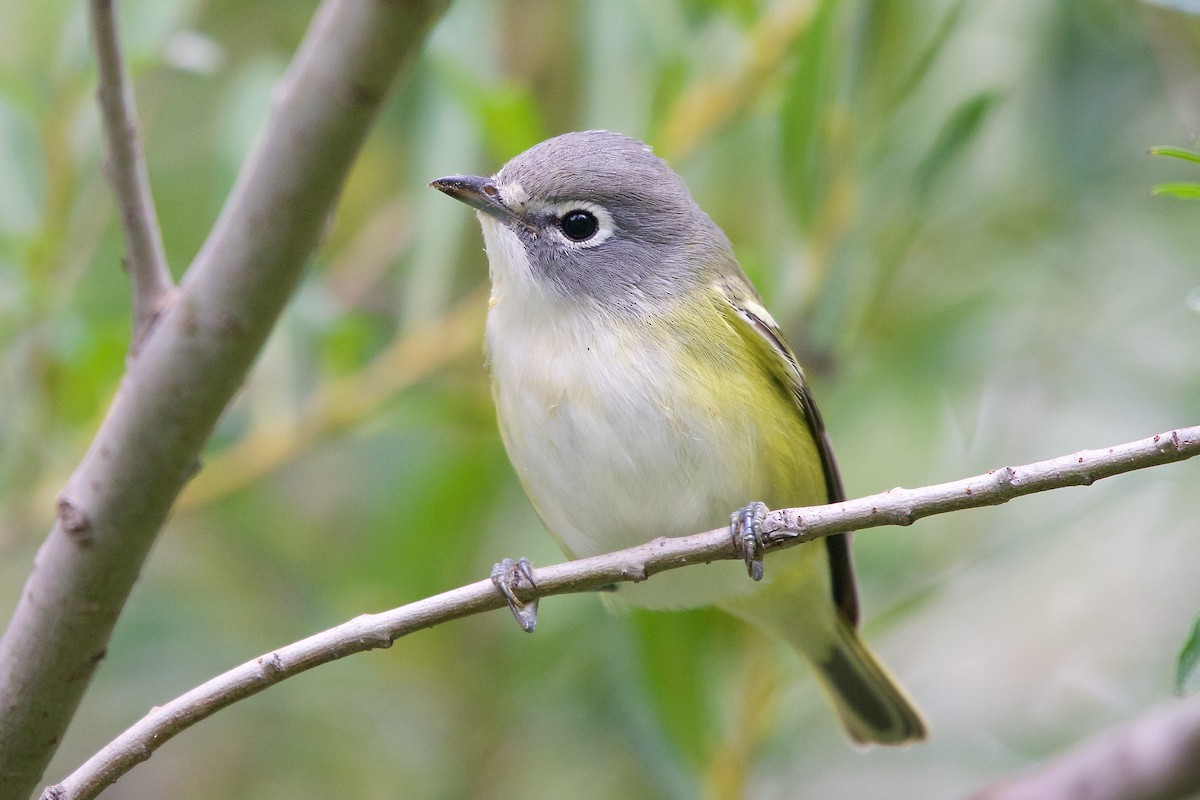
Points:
[(746, 313)]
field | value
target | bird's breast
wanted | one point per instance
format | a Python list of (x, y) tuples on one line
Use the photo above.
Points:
[(614, 439)]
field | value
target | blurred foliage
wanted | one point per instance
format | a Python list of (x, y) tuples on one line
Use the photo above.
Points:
[(1187, 189), (946, 206), (1189, 658)]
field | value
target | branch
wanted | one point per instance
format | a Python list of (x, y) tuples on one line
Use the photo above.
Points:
[(189, 367), (1153, 758), (146, 259), (783, 528)]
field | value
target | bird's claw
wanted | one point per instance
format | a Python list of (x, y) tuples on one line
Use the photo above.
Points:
[(745, 526), (507, 576)]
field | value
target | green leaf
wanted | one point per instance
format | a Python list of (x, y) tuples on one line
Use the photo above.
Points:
[(1189, 658), (805, 115), (1176, 152), (506, 112), (930, 53), (686, 658), (960, 129), (1177, 189)]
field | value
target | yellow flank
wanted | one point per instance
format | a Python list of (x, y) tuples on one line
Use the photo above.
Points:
[(750, 386), (683, 416)]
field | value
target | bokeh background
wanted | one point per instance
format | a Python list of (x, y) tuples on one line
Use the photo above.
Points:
[(947, 206)]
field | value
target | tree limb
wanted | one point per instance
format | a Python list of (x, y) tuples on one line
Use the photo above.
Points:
[(146, 260), (783, 528), (1153, 758), (188, 368)]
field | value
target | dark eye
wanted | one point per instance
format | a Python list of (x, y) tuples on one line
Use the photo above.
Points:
[(579, 225)]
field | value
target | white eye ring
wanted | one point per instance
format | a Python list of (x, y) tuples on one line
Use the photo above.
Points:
[(605, 227)]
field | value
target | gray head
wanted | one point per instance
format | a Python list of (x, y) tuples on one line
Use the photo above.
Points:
[(596, 216)]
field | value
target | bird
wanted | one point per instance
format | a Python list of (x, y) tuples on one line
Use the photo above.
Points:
[(642, 389)]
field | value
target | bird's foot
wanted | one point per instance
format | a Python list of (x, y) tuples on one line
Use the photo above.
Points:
[(508, 576), (745, 526)]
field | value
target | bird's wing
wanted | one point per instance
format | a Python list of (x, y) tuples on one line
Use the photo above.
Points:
[(761, 332)]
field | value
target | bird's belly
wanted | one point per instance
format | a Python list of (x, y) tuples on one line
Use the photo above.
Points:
[(607, 476), (610, 458)]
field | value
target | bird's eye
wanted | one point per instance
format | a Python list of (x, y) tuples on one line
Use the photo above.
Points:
[(579, 225)]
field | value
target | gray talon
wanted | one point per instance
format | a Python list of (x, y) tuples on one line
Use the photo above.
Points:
[(745, 526), (507, 576)]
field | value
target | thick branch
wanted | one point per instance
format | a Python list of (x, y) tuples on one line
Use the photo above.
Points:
[(1153, 758), (785, 528), (189, 367), (145, 258)]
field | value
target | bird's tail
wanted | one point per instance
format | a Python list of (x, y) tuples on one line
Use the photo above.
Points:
[(798, 608), (870, 705)]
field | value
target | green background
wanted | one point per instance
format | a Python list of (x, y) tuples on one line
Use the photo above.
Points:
[(947, 207)]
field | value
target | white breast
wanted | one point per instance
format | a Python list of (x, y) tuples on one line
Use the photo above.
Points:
[(590, 424)]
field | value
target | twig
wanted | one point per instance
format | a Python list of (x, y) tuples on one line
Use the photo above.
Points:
[(784, 528), (186, 372), (1153, 758), (905, 506), (145, 258)]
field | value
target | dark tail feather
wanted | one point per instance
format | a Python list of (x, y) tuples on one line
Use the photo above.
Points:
[(870, 705)]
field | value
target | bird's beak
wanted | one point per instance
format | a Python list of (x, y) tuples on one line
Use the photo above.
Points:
[(479, 193)]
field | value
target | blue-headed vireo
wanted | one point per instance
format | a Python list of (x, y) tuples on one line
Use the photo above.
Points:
[(643, 390)]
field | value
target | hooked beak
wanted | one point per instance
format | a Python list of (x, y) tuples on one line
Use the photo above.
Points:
[(480, 194)]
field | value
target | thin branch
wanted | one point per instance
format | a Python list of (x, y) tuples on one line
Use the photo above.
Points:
[(186, 372), (146, 260), (905, 506), (1153, 758), (784, 528)]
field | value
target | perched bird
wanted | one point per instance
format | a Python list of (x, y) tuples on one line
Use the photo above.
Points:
[(643, 390)]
